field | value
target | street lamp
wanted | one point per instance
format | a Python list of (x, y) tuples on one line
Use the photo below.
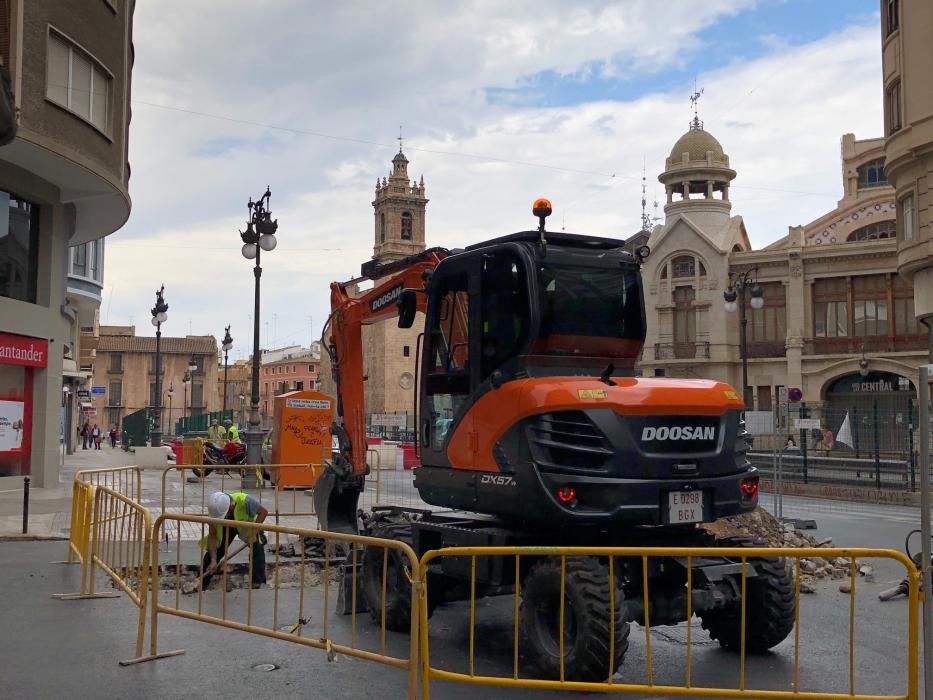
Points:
[(186, 380), (242, 401), (192, 368), (171, 392), (258, 236), (227, 344), (159, 316), (735, 297)]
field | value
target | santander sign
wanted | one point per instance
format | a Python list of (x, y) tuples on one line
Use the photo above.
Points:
[(23, 350)]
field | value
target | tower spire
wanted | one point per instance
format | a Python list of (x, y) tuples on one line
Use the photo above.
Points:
[(696, 124), (645, 219), (400, 138)]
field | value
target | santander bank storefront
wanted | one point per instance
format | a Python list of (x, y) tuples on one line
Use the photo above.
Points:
[(20, 357)]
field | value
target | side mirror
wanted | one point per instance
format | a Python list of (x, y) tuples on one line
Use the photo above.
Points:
[(407, 307)]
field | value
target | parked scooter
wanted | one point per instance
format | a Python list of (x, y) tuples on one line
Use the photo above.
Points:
[(231, 454), (903, 588)]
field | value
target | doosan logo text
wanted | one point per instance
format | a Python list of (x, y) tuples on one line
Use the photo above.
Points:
[(687, 432)]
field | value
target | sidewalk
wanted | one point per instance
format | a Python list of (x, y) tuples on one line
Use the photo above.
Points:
[(50, 508)]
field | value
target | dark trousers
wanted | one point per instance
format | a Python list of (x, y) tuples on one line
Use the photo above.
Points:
[(258, 572)]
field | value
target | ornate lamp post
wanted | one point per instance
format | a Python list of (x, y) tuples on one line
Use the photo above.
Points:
[(171, 393), (186, 380), (227, 344), (735, 297), (242, 401), (258, 236), (159, 316)]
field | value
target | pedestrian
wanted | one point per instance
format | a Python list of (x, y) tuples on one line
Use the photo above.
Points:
[(96, 436), (113, 437), (233, 433), (790, 442), (240, 507), (85, 435), (829, 440), (817, 435), (216, 433)]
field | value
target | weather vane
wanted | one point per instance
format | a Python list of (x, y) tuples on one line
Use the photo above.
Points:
[(400, 138), (645, 219), (696, 124)]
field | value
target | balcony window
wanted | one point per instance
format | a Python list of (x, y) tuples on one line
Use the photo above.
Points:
[(19, 248), (116, 394), (872, 174), (684, 266), (892, 106), (769, 323), (891, 16), (685, 316), (77, 82), (116, 362), (905, 321), (830, 308), (907, 216)]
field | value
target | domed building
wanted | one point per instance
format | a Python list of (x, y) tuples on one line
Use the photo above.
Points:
[(825, 310)]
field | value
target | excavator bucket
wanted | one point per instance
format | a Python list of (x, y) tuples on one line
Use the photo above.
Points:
[(335, 501)]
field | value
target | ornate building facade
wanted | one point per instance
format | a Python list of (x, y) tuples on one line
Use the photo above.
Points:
[(836, 315)]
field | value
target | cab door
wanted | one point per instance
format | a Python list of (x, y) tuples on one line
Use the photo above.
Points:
[(449, 362)]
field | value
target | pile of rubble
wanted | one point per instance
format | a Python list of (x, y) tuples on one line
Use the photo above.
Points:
[(761, 524)]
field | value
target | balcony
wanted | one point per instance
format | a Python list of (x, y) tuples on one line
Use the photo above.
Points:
[(854, 346), (115, 402), (766, 349), (681, 351)]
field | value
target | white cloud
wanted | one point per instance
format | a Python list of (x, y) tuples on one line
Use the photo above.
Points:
[(358, 70)]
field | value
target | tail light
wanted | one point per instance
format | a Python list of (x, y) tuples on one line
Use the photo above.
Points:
[(566, 495), (749, 488)]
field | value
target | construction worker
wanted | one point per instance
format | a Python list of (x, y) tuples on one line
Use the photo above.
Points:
[(233, 434), (240, 507), (216, 433)]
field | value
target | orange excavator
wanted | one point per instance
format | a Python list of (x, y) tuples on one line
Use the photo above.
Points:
[(534, 429)]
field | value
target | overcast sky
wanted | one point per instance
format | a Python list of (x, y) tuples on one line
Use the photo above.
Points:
[(501, 102)]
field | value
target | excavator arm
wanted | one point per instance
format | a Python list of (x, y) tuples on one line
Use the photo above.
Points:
[(336, 492)]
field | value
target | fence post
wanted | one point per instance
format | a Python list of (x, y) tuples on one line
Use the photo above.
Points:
[(804, 412), (925, 534), (874, 411), (910, 443), (856, 431)]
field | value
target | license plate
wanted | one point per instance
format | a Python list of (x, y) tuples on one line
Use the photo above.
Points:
[(685, 507)]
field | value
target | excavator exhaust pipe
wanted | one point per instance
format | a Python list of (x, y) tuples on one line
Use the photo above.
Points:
[(336, 497)]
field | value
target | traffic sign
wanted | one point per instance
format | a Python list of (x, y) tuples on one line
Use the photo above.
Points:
[(98, 390), (794, 395), (806, 423), (84, 394)]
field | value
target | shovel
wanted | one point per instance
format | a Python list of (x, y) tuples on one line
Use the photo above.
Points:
[(228, 555)]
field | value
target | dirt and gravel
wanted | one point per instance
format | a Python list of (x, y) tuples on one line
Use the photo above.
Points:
[(761, 524)]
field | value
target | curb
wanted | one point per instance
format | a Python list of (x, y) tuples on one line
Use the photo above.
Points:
[(33, 538), (851, 494)]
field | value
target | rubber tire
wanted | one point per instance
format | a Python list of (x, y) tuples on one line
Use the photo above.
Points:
[(769, 608), (398, 588), (586, 644)]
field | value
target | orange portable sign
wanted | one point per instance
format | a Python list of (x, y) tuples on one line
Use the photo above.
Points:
[(301, 435)]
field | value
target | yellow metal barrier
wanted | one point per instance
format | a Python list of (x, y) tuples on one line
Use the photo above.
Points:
[(127, 481), (194, 496), (319, 631), (651, 687)]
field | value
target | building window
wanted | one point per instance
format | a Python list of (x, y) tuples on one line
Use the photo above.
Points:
[(76, 82), (769, 323), (685, 328), (310, 368), (382, 228), (830, 308), (907, 216), (79, 260), (197, 395), (116, 393), (406, 351), (93, 262), (116, 362), (872, 174), (115, 417), (198, 362), (406, 226), (683, 266), (153, 401), (870, 305), (891, 15), (892, 106), (19, 248), (299, 386), (874, 232), (905, 321)]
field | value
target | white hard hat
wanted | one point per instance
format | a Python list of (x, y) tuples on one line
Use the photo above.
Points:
[(217, 504)]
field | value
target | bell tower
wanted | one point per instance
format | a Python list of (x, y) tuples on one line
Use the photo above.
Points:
[(399, 212)]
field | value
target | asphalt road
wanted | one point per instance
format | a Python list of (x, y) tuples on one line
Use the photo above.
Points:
[(58, 649)]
